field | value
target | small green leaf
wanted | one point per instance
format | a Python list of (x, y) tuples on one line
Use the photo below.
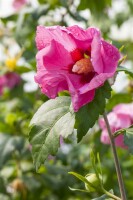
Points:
[(22, 69), (119, 132), (121, 48), (82, 178), (53, 119), (96, 166), (99, 167), (79, 190), (122, 59), (127, 71), (88, 114), (128, 138)]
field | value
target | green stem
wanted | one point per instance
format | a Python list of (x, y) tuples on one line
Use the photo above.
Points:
[(116, 160), (111, 195), (117, 133)]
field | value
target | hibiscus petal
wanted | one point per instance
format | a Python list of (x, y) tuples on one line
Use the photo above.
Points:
[(74, 83), (112, 117), (95, 82), (45, 35), (104, 137), (96, 57), (126, 109), (123, 121), (54, 56), (110, 57), (51, 82), (80, 100), (83, 38), (119, 141), (116, 121)]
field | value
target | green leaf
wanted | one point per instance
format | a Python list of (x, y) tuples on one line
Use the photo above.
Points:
[(121, 48), (79, 190), (127, 71), (94, 165), (53, 119), (22, 69), (119, 132), (82, 178), (118, 98), (8, 144), (88, 114), (128, 138), (97, 166)]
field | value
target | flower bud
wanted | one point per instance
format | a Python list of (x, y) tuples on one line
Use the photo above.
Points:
[(92, 178)]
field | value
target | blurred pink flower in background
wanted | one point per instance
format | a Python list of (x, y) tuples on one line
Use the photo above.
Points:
[(2, 83), (120, 117), (73, 59), (9, 80), (17, 4)]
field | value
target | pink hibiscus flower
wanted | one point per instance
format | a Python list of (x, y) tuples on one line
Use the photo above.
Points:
[(9, 80), (120, 117), (17, 4), (73, 59)]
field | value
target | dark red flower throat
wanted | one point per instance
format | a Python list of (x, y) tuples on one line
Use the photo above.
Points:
[(82, 61)]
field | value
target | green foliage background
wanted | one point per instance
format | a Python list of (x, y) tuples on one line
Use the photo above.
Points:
[(18, 179)]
